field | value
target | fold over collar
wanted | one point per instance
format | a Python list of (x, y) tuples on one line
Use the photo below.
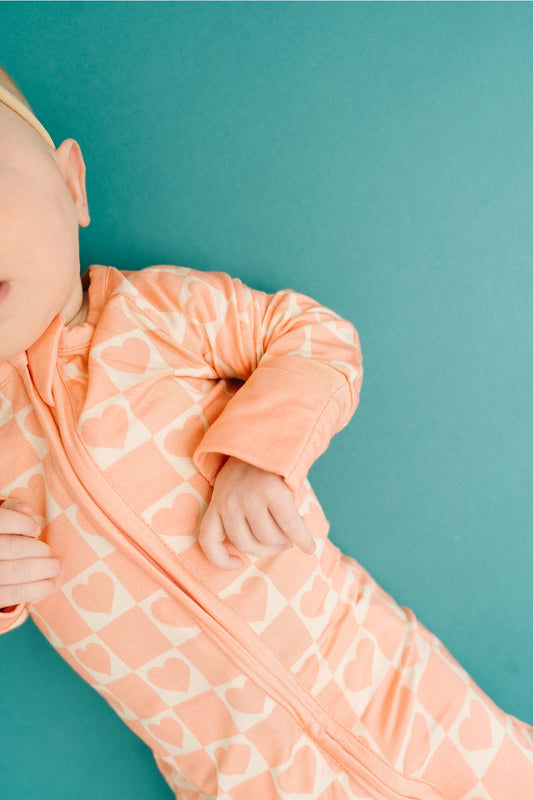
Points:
[(42, 359)]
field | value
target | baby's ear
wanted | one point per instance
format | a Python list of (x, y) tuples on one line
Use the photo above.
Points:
[(70, 162)]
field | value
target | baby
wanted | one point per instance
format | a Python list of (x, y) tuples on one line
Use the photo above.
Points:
[(157, 430)]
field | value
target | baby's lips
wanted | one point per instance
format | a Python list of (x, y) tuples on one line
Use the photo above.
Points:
[(4, 289)]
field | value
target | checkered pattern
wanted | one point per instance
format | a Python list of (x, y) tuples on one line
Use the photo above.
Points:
[(295, 677)]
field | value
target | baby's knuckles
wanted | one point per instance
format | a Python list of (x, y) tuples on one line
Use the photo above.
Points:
[(17, 517), (27, 569)]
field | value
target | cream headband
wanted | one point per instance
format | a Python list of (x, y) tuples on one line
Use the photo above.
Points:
[(23, 111)]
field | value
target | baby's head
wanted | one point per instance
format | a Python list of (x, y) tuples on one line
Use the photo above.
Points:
[(43, 200)]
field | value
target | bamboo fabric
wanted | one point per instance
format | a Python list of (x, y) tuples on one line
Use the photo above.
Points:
[(295, 677)]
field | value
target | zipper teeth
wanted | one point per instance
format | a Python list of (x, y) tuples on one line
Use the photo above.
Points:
[(375, 781), (372, 783), (369, 780)]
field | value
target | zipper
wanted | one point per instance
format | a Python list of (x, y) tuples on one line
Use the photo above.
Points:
[(256, 660)]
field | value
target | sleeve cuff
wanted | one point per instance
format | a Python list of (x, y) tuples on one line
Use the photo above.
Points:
[(11, 619), (280, 420)]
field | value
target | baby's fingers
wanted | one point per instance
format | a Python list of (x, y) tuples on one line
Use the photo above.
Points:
[(13, 547), (291, 523), (26, 592), (14, 518), (211, 539), (28, 570)]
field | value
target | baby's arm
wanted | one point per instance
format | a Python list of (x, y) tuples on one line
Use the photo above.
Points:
[(27, 569), (256, 511), (300, 369)]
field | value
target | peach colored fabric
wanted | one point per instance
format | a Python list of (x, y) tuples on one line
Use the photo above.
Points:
[(295, 677)]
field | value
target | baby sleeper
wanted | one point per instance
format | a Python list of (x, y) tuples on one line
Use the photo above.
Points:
[(295, 677)]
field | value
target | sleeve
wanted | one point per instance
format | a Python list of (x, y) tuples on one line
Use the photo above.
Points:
[(300, 364), (12, 617)]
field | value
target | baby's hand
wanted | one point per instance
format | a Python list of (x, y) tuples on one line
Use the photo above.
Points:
[(26, 567), (256, 511)]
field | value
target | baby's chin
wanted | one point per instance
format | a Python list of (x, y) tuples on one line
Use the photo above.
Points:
[(16, 335)]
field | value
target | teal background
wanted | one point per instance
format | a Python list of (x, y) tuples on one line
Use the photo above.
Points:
[(378, 157)]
